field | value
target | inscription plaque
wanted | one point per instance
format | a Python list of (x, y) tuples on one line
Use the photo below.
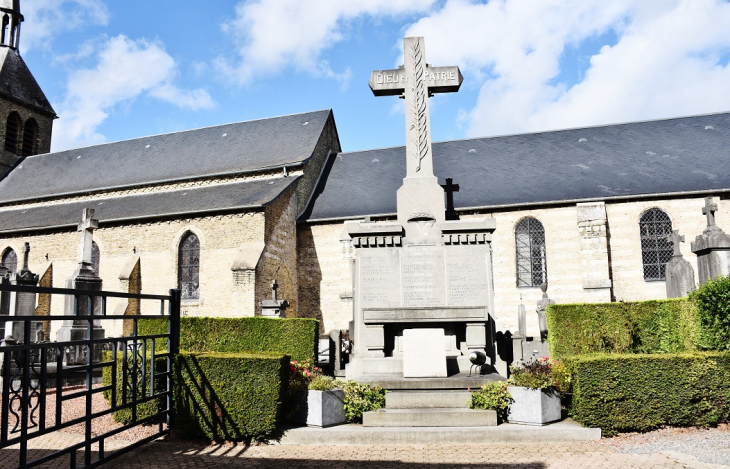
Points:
[(424, 354), (379, 278), (422, 274), (466, 275)]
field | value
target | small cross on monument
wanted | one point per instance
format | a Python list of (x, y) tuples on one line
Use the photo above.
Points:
[(676, 238), (709, 210), (274, 287), (450, 188), (86, 227)]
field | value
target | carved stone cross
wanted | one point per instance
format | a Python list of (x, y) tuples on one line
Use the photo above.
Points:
[(86, 227), (26, 253), (274, 287), (450, 188), (416, 81), (675, 238), (709, 209)]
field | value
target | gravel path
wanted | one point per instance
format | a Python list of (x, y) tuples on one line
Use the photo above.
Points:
[(711, 446)]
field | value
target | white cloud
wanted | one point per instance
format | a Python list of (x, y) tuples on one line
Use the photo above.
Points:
[(44, 19), (125, 69), (272, 35), (666, 62)]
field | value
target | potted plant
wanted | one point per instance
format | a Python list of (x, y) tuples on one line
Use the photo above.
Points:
[(535, 398), (315, 399)]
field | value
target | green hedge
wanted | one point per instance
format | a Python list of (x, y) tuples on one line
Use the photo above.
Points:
[(295, 337), (144, 409), (713, 304), (657, 326), (229, 396), (638, 392)]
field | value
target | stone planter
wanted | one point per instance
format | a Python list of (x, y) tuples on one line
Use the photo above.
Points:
[(319, 408), (533, 406)]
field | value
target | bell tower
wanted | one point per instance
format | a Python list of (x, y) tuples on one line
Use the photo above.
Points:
[(26, 116)]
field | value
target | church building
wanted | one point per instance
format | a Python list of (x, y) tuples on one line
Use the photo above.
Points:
[(221, 212)]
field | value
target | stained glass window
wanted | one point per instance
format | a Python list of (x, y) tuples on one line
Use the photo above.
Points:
[(10, 260), (655, 228), (530, 253), (189, 267)]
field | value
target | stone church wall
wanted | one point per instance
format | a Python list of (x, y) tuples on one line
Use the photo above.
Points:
[(578, 262), (43, 137)]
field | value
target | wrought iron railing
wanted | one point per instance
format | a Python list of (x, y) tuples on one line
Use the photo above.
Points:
[(30, 369)]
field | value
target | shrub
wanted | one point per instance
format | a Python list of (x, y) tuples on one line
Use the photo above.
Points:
[(713, 304), (536, 374), (322, 383), (229, 396), (637, 392), (492, 396), (295, 337), (359, 398), (665, 326)]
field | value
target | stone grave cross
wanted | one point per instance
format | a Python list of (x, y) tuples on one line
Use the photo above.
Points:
[(676, 238), (450, 188), (274, 287), (709, 210), (86, 227), (416, 81)]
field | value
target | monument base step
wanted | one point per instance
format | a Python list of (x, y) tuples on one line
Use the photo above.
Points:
[(462, 381), (409, 399), (565, 431), (438, 417)]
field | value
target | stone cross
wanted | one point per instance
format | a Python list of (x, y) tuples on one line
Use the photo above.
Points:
[(416, 81), (86, 227), (675, 239), (274, 287), (450, 188), (26, 253), (709, 209)]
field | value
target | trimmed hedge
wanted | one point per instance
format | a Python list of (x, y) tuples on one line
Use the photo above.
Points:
[(296, 337), (639, 392), (229, 396), (144, 409), (657, 326), (713, 304)]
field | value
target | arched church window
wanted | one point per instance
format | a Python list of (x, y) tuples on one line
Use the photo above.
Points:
[(530, 253), (189, 267), (95, 257), (6, 27), (11, 132), (10, 260), (30, 131), (655, 228)]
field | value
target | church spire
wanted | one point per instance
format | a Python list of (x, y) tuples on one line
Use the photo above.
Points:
[(11, 19)]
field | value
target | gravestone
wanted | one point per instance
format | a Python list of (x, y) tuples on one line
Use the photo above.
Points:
[(423, 271), (83, 278), (274, 308), (24, 304), (424, 355), (680, 277), (712, 247), (524, 347)]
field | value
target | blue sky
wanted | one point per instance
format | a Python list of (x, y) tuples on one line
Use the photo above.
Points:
[(116, 70)]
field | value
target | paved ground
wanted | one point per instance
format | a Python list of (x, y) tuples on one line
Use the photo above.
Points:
[(673, 448)]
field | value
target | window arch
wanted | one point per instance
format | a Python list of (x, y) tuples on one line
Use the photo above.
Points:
[(95, 257), (30, 132), (655, 228), (10, 260), (12, 129), (530, 253), (189, 267), (6, 27)]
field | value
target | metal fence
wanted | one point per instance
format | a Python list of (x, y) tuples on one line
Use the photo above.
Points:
[(33, 367)]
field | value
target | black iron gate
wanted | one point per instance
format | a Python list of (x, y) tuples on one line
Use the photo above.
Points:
[(32, 367)]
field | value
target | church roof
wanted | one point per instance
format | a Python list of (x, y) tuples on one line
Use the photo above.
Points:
[(196, 201), (672, 156), (18, 84), (213, 151)]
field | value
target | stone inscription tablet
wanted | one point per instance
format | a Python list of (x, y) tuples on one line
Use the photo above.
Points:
[(424, 354), (422, 276), (466, 275), (25, 304), (379, 278)]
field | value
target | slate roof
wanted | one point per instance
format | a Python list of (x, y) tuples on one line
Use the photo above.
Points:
[(184, 202), (689, 154), (226, 149), (18, 84)]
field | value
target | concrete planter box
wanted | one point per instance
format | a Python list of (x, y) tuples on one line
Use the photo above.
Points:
[(319, 408), (533, 406)]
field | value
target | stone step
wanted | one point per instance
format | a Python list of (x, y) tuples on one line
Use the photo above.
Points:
[(392, 381), (443, 417), (427, 399), (353, 434)]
